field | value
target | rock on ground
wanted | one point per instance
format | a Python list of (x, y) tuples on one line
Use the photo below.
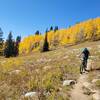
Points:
[(69, 82), (32, 95)]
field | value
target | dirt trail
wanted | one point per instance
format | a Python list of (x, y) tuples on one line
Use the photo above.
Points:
[(77, 92)]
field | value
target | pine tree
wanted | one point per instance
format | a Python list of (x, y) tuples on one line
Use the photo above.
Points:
[(9, 46), (51, 28), (37, 32), (16, 46), (46, 44), (56, 28), (1, 41)]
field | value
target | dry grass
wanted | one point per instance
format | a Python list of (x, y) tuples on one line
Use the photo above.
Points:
[(41, 72)]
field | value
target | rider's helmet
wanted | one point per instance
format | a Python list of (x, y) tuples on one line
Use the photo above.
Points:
[(85, 49)]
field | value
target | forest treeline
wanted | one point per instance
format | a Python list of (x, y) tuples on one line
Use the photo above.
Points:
[(83, 31), (10, 47)]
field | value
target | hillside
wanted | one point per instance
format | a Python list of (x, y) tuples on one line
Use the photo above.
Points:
[(45, 73), (84, 31)]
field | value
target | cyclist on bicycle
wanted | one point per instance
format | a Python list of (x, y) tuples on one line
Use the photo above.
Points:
[(85, 55)]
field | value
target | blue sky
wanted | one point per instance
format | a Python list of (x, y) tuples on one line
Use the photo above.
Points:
[(24, 17)]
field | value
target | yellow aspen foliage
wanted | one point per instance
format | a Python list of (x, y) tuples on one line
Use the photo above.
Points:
[(87, 30), (29, 43)]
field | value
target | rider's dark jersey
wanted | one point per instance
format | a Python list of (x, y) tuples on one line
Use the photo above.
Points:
[(86, 54)]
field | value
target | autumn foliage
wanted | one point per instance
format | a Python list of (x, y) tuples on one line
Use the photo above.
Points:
[(30, 43), (85, 31)]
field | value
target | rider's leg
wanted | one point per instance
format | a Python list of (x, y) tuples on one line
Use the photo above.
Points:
[(81, 68), (84, 66)]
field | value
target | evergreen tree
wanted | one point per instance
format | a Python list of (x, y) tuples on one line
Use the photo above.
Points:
[(51, 28), (46, 44), (9, 46), (56, 28), (16, 47), (1, 41), (37, 32)]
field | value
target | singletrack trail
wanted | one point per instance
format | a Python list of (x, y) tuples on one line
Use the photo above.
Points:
[(77, 92)]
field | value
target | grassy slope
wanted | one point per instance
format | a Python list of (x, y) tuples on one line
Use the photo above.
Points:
[(43, 72)]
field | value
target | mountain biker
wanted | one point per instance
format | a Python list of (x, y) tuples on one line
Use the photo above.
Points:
[(85, 55)]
